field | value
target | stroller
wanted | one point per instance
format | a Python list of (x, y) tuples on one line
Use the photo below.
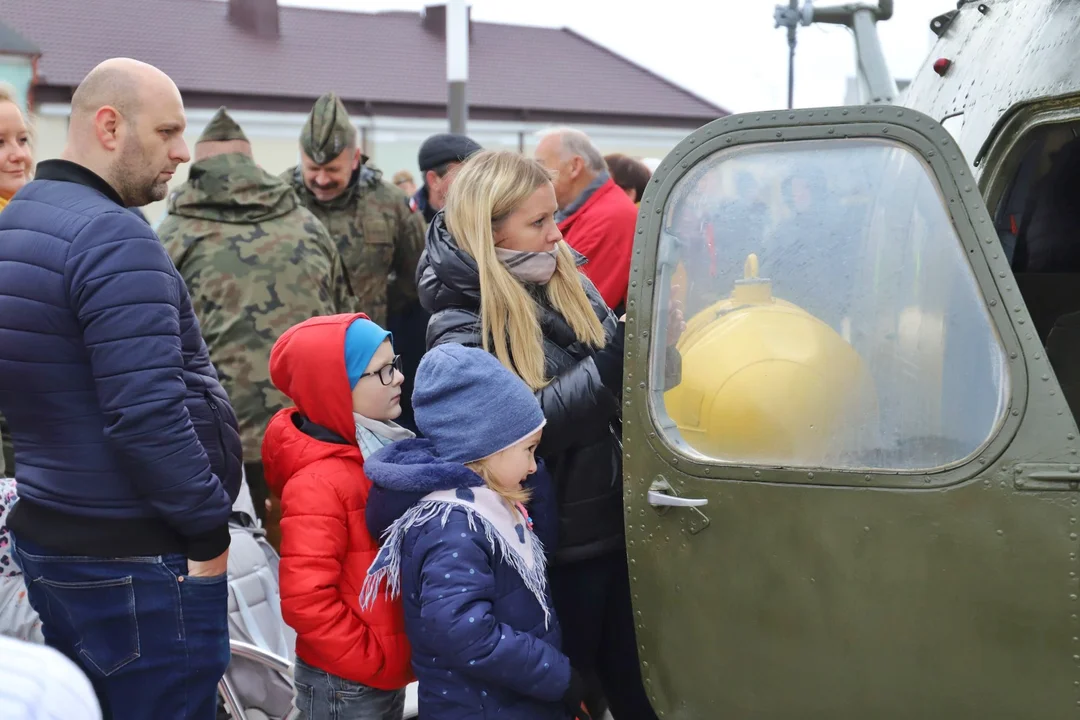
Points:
[(258, 684)]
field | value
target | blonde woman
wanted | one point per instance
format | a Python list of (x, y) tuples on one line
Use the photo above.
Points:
[(16, 159), (498, 275), (17, 618)]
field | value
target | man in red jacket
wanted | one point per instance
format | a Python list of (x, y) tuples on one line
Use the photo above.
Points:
[(595, 216)]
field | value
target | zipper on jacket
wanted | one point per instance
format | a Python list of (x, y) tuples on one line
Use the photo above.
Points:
[(217, 424)]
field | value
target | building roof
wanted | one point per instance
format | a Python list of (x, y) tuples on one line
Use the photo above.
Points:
[(12, 43), (374, 61)]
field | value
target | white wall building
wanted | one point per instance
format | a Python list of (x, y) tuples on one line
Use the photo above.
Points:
[(269, 64)]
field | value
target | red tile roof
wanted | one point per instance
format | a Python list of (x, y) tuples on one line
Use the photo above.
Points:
[(386, 58)]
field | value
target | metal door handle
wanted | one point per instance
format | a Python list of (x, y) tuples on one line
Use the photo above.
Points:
[(660, 499)]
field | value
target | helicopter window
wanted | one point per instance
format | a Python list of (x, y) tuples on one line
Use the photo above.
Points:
[(1037, 222), (832, 316)]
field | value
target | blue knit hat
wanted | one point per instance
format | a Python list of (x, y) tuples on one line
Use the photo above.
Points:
[(362, 339), (470, 406)]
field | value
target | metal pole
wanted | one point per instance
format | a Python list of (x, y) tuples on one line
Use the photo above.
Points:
[(794, 4), (875, 81), (791, 70), (872, 66), (457, 64)]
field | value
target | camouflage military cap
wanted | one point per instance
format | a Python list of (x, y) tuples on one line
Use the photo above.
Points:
[(221, 128), (328, 130)]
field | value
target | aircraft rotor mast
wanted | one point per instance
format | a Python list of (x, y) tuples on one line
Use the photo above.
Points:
[(876, 83)]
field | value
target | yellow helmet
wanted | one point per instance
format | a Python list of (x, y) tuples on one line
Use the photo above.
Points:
[(763, 381)]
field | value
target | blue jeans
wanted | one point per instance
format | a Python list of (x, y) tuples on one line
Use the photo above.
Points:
[(322, 696), (153, 640)]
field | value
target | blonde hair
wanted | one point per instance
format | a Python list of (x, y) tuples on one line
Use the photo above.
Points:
[(490, 186), (521, 495)]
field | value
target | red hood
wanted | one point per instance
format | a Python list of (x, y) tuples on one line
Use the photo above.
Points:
[(307, 363)]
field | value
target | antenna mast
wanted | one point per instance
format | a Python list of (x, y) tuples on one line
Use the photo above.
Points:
[(791, 17)]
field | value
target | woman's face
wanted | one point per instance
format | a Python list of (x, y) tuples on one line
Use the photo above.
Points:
[(15, 159), (377, 395), (531, 226)]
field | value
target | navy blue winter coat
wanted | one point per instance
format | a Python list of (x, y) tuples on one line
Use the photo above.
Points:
[(480, 648), (115, 410)]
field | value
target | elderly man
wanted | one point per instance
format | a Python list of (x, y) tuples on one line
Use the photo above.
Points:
[(595, 216), (256, 263), (439, 158), (128, 451), (379, 238)]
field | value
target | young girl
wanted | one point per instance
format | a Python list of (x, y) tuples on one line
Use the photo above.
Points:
[(343, 376), (460, 548)]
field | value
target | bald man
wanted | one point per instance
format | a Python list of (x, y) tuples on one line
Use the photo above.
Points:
[(127, 449)]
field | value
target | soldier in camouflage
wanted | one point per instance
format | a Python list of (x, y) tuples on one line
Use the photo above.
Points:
[(379, 237), (256, 263)]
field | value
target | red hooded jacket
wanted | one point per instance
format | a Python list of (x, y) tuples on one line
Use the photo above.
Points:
[(603, 231), (314, 465)]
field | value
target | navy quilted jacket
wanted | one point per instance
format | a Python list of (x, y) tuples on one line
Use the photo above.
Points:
[(480, 648), (114, 407)]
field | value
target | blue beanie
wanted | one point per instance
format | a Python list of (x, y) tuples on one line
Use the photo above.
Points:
[(470, 406), (362, 339)]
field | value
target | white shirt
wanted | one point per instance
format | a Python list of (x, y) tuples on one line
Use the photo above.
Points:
[(39, 683)]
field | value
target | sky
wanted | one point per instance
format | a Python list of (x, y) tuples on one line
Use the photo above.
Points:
[(727, 51)]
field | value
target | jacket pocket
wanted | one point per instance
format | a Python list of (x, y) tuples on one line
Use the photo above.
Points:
[(102, 615), (221, 467), (378, 250)]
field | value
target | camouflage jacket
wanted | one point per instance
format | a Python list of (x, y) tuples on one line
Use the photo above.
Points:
[(255, 263), (380, 239)]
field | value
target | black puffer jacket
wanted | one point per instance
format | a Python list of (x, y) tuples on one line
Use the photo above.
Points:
[(580, 445)]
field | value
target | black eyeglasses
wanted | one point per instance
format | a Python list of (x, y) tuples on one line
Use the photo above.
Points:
[(386, 372)]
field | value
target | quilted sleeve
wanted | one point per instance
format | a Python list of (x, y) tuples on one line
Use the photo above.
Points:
[(125, 293), (575, 402)]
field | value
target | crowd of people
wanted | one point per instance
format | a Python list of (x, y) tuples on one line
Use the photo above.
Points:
[(415, 390)]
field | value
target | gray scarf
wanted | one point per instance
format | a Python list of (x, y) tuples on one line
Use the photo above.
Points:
[(583, 197), (373, 435)]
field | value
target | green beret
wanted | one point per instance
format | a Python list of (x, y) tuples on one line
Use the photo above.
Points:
[(328, 130), (221, 128)]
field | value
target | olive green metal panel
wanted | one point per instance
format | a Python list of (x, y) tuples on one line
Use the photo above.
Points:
[(821, 593)]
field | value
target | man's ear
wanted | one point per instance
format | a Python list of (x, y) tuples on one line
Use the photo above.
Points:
[(107, 123), (356, 159), (577, 167), (431, 178)]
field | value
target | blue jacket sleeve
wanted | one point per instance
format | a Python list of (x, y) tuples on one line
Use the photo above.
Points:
[(457, 586), (124, 291)]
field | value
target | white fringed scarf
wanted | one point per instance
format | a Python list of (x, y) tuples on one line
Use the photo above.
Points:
[(508, 532)]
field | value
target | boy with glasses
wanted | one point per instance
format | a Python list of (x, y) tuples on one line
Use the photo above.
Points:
[(341, 373)]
